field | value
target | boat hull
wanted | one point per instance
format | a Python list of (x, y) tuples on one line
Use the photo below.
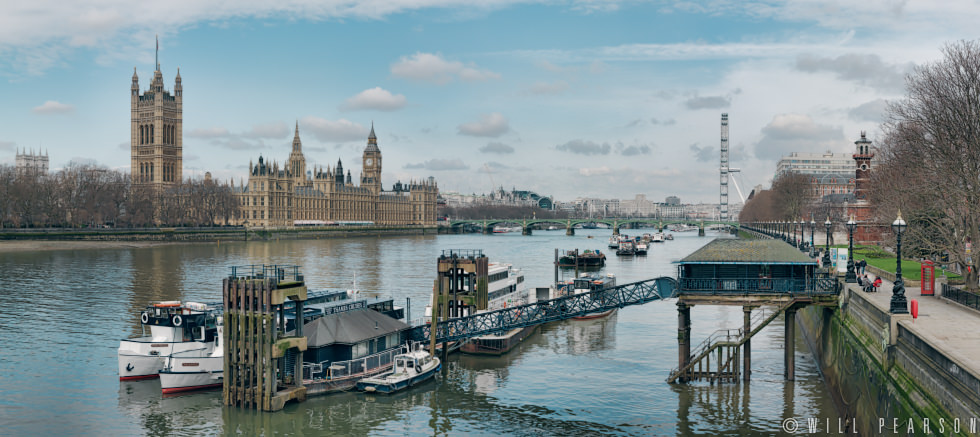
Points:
[(143, 358), (177, 382), (394, 386), (498, 345), (596, 315), (326, 386)]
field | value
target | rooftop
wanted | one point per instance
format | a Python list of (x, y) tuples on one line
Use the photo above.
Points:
[(350, 327), (739, 251)]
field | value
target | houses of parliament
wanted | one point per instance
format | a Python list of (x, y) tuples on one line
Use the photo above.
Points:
[(273, 195)]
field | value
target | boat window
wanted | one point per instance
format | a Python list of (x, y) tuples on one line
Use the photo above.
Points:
[(400, 364)]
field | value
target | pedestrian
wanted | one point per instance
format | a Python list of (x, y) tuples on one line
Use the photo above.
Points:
[(862, 265)]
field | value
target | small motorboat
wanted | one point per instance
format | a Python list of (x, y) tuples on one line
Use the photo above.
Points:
[(410, 369)]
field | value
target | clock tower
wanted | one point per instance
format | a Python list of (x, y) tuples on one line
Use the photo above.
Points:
[(371, 174)]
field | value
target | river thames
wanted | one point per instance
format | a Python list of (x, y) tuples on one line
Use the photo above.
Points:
[(62, 314)]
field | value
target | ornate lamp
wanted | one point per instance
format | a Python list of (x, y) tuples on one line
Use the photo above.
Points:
[(898, 303), (813, 225), (826, 251), (802, 227), (851, 277)]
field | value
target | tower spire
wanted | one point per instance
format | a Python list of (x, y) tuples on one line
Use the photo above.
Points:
[(158, 53)]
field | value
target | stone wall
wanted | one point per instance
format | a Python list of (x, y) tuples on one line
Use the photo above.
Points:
[(210, 234)]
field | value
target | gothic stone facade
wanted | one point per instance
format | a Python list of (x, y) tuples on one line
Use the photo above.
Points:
[(156, 143), (286, 195)]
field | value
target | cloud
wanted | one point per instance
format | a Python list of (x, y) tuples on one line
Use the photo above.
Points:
[(872, 111), (668, 122), (490, 125), (432, 68), (53, 107), (334, 131), (703, 154), (596, 171), (238, 144), (867, 69), (708, 102), (635, 123), (492, 165), (548, 88), (498, 148), (209, 132), (439, 165), (375, 98), (274, 130), (641, 149), (797, 133), (587, 148)]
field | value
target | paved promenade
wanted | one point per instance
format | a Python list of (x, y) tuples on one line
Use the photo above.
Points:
[(947, 326)]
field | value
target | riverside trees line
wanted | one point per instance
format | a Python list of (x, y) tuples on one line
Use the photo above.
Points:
[(91, 196)]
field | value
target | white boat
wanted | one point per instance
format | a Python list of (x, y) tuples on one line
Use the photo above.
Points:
[(174, 327), (657, 237), (505, 229), (195, 369), (410, 368), (640, 248), (614, 242)]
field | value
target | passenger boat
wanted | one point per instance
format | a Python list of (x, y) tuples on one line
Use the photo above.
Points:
[(505, 289), (195, 369), (590, 282), (587, 258), (669, 237), (641, 248), (657, 238), (626, 248), (410, 368), (505, 229), (614, 242), (175, 327)]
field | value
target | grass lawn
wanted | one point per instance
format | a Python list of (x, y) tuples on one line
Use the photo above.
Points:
[(883, 260)]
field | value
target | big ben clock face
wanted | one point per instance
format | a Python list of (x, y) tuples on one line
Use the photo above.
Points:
[(369, 161)]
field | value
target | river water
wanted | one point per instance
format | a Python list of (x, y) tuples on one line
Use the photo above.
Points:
[(62, 314)]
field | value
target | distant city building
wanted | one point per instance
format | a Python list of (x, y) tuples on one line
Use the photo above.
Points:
[(289, 195), (815, 163), (672, 200), (156, 132), (499, 197), (29, 163), (639, 206)]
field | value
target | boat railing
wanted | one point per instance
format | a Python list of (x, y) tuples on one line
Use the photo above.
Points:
[(343, 369), (281, 272)]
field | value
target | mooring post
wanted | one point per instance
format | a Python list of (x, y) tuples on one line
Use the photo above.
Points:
[(683, 337), (790, 336), (747, 346)]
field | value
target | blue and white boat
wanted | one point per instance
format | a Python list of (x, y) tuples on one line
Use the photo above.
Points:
[(410, 369)]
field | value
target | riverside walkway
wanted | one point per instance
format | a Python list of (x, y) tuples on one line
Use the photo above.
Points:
[(947, 326)]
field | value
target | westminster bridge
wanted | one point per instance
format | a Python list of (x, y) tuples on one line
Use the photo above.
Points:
[(616, 223)]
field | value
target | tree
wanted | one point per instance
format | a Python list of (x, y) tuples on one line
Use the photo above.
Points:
[(789, 199), (930, 168)]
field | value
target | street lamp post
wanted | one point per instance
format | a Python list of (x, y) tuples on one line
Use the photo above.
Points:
[(802, 227), (851, 277), (813, 225), (898, 303), (826, 251)]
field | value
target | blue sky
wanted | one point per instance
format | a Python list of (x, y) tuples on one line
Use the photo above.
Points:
[(573, 99)]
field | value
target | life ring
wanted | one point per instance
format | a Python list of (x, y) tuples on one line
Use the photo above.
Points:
[(177, 320), (418, 369), (144, 317)]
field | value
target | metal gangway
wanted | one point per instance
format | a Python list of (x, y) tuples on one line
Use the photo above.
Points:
[(560, 308)]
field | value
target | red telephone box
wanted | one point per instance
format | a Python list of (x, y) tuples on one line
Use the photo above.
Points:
[(928, 278)]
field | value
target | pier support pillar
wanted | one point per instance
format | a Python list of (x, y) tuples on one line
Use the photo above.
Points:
[(570, 231), (790, 348), (616, 230), (526, 231), (683, 336), (747, 346), (701, 229)]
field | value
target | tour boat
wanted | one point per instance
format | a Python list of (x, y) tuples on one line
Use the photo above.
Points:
[(657, 238), (174, 327), (641, 248), (614, 242), (590, 282), (410, 368), (505, 229), (195, 369), (626, 248)]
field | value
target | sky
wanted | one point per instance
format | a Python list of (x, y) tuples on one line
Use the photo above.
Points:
[(581, 98)]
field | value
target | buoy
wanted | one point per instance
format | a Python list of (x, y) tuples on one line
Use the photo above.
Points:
[(915, 309)]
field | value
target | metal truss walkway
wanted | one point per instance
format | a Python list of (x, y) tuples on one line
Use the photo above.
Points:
[(560, 308)]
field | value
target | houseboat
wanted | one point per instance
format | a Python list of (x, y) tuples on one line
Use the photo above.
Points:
[(587, 258), (626, 248), (592, 282)]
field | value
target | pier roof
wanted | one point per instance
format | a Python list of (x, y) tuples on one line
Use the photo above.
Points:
[(350, 327), (739, 251)]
